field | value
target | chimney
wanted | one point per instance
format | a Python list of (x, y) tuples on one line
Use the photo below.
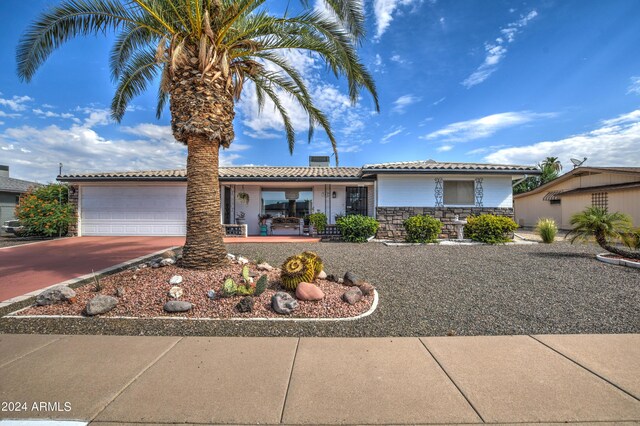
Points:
[(319, 161), (4, 171)]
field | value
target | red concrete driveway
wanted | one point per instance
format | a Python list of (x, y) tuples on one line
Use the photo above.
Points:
[(34, 266)]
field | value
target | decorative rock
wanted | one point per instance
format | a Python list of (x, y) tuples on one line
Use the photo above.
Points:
[(350, 279), (100, 304), (366, 288), (332, 278), (54, 295), (308, 291), (245, 304), (177, 306), (352, 296), (167, 262), (322, 275), (142, 266), (264, 267), (169, 254), (175, 292), (120, 292), (211, 294), (230, 256), (283, 303), (175, 280), (155, 265), (340, 281), (242, 260)]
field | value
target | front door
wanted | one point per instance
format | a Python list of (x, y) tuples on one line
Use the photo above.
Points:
[(227, 205), (356, 200)]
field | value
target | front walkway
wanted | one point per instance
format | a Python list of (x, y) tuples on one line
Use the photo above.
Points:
[(505, 379)]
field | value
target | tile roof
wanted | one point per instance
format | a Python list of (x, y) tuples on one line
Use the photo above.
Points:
[(17, 186), (430, 165)]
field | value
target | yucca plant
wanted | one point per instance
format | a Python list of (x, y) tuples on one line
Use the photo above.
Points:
[(547, 230), (598, 223), (204, 51)]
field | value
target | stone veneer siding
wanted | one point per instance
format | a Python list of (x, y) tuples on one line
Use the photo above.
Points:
[(74, 191), (391, 218)]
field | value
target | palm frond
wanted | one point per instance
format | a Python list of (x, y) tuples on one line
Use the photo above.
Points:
[(139, 71)]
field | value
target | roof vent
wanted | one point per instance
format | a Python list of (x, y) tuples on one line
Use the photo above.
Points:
[(319, 161)]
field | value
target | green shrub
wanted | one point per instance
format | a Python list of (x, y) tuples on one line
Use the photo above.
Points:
[(632, 239), (547, 230), (422, 229), (488, 228), (357, 228), (45, 211), (318, 220)]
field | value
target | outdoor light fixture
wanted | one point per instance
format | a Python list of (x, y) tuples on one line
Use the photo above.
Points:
[(334, 195)]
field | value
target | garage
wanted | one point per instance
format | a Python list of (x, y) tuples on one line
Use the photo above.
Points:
[(133, 210)]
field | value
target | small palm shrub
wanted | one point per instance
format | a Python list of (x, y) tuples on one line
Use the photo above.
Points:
[(547, 230), (318, 220), (632, 239), (605, 227), (422, 229), (490, 229), (44, 211), (357, 228)]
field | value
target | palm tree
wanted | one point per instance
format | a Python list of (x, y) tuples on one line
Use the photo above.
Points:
[(552, 163), (604, 226), (204, 51)]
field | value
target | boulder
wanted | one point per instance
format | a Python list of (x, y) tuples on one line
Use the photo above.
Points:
[(332, 278), (155, 264), (169, 254), (283, 303), (264, 267), (351, 279), (177, 306), (322, 275), (245, 304), (100, 304), (366, 288), (308, 291), (175, 280), (167, 262), (175, 292), (352, 296), (54, 295)]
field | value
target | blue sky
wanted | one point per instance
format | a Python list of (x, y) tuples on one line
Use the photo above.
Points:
[(479, 80)]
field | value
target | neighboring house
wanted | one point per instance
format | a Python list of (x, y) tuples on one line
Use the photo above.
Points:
[(153, 202), (615, 188), (10, 190)]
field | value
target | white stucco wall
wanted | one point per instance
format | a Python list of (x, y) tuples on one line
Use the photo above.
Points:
[(419, 190)]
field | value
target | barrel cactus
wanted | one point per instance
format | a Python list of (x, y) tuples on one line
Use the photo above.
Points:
[(295, 270), (317, 262)]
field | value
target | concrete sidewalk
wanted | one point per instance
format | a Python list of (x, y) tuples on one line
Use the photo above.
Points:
[(506, 379)]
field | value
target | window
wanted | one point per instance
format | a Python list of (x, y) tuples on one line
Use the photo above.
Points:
[(600, 199), (458, 192), (287, 202), (555, 201)]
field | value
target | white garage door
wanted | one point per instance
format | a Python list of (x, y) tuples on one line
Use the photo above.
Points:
[(136, 210)]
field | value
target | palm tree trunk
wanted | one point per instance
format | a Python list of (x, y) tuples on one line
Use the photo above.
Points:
[(204, 247), (602, 242)]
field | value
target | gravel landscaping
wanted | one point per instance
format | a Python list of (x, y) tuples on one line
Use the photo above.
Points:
[(430, 290)]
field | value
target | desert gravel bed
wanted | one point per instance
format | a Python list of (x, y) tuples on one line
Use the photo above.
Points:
[(146, 292), (431, 290)]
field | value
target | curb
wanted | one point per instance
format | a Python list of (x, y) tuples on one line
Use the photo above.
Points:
[(34, 242), (81, 279), (602, 257), (374, 306)]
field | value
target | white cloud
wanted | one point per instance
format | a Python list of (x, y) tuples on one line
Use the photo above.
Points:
[(399, 60), (463, 131), (51, 114), (615, 143), (384, 10), (401, 104), (635, 86), (496, 51), (394, 131), (17, 103), (444, 148)]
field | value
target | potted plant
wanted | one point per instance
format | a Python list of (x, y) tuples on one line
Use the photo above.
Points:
[(240, 218), (262, 218)]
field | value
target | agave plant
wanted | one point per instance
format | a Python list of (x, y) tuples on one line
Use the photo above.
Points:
[(598, 223), (205, 51)]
